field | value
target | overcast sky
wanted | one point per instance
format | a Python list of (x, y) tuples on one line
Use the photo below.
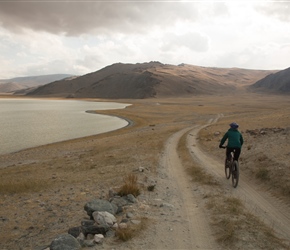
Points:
[(41, 37)]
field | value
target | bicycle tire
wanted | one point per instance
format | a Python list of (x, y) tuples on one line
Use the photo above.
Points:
[(235, 174), (228, 168)]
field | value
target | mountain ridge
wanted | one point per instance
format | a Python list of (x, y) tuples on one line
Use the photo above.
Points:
[(28, 82), (152, 79), (278, 82)]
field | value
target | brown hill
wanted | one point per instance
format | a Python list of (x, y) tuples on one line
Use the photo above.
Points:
[(154, 79), (28, 82), (276, 83), (10, 87)]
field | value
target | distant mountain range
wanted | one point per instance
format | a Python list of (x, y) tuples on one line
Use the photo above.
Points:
[(25, 84), (153, 79)]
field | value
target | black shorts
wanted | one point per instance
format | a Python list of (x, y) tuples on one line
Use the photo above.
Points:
[(237, 152)]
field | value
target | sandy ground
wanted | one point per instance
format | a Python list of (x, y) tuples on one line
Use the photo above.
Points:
[(68, 174)]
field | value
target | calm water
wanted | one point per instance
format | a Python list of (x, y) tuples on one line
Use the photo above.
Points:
[(27, 123)]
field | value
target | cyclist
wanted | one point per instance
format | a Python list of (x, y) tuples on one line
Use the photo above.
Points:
[(235, 141)]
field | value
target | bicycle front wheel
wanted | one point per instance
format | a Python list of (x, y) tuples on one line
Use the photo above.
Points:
[(235, 174)]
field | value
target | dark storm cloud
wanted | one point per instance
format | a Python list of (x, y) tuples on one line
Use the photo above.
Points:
[(79, 17)]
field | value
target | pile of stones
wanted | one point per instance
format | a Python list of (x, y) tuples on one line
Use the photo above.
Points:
[(102, 223)]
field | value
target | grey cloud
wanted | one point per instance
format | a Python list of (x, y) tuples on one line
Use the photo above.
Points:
[(75, 18), (279, 10)]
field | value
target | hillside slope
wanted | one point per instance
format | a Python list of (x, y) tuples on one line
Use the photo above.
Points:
[(276, 83), (27, 82), (154, 79)]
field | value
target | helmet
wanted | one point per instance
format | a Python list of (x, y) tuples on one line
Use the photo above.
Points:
[(234, 125)]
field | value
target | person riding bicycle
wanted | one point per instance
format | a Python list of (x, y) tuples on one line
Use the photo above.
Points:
[(235, 141)]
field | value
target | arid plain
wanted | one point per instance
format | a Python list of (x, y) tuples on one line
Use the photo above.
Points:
[(43, 190)]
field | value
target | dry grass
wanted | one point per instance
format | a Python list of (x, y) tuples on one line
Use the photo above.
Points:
[(130, 186), (197, 173), (235, 226), (133, 230), (21, 186), (227, 232)]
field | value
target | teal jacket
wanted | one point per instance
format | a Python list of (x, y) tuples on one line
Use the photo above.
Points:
[(235, 138)]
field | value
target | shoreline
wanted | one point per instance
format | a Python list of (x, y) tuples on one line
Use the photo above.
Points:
[(129, 123)]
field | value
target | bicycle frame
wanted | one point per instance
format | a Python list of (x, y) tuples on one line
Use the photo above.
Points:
[(232, 169)]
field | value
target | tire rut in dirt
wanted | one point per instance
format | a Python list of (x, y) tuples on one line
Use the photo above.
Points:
[(260, 203), (198, 225)]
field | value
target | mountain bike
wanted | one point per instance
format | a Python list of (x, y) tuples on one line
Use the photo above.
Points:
[(232, 169)]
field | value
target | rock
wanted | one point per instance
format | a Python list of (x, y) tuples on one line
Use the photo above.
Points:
[(115, 226), (81, 237), (90, 237), (99, 238), (65, 242), (123, 201), (99, 205), (95, 229), (106, 218), (110, 233), (135, 222), (89, 243), (119, 201), (75, 231), (41, 248), (129, 215), (87, 222), (131, 198)]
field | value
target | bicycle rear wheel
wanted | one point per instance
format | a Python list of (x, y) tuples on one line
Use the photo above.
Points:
[(235, 174), (228, 168)]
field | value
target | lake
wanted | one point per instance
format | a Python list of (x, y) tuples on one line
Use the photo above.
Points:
[(26, 123)]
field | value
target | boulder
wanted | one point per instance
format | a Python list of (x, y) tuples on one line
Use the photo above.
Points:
[(95, 229), (75, 231), (65, 242), (99, 205), (104, 218), (99, 238)]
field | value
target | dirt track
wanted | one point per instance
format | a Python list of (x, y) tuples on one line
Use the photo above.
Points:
[(188, 225), (199, 232), (272, 211), (268, 208)]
